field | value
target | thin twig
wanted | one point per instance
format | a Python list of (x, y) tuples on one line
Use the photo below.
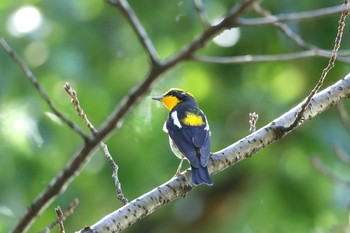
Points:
[(113, 165), (60, 219), (133, 96), (323, 12), (198, 4), (188, 52), (140, 31), (286, 30), (29, 74), (62, 180), (324, 170), (115, 169), (253, 119), (179, 186), (79, 110), (331, 63), (312, 50), (344, 116), (244, 59), (341, 154), (67, 213)]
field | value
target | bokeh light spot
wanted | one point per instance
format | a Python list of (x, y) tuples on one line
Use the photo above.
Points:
[(36, 54), (228, 37), (18, 128), (288, 84), (24, 20), (295, 160), (197, 82)]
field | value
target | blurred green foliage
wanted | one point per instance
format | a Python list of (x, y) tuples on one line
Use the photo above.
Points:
[(91, 45)]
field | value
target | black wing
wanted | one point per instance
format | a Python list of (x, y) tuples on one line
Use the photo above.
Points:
[(192, 141)]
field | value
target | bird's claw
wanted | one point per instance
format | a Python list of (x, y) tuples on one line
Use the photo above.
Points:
[(178, 173)]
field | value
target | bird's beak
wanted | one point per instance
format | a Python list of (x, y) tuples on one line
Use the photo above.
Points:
[(159, 98)]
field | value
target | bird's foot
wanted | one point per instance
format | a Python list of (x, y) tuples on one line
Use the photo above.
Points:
[(178, 173)]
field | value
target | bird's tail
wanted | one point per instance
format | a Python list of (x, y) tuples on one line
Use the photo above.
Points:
[(201, 175)]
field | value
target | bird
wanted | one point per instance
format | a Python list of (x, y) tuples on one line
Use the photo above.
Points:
[(189, 133)]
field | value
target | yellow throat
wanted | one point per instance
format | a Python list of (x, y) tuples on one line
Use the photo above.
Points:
[(170, 102)]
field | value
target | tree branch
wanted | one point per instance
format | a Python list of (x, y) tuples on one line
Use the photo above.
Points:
[(72, 168), (285, 29), (104, 147), (29, 74), (156, 70), (342, 155), (66, 214), (244, 59), (291, 16), (200, 11), (60, 219), (300, 115), (326, 171), (179, 186), (344, 116), (311, 50), (140, 31)]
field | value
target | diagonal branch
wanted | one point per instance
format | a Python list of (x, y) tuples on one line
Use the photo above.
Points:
[(198, 4), (286, 30), (300, 115), (230, 19), (70, 171), (344, 116), (140, 31), (66, 214), (311, 50), (62, 180), (29, 74), (298, 40), (342, 155), (244, 148), (327, 172), (132, 97), (73, 94)]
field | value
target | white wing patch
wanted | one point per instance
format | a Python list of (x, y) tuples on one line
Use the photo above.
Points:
[(164, 128), (176, 119), (206, 125)]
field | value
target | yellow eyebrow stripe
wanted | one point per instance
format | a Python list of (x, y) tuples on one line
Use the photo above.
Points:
[(192, 119)]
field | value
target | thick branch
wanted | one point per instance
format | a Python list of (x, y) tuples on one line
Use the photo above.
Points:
[(231, 18), (132, 97), (325, 71), (62, 180), (246, 147)]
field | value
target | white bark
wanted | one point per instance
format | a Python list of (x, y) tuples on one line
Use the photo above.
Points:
[(246, 147)]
